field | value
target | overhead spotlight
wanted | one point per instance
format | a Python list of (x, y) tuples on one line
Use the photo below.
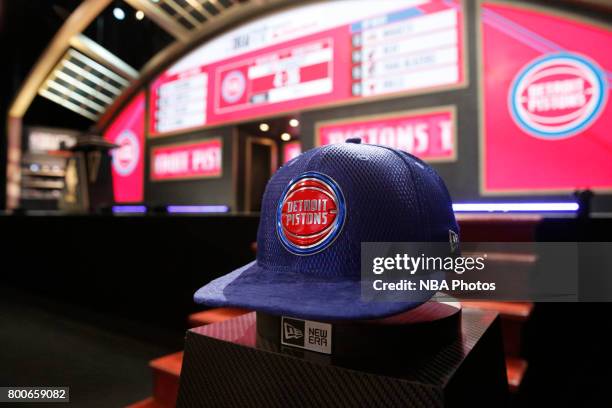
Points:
[(294, 122), (264, 127), (285, 137), (139, 15), (118, 13)]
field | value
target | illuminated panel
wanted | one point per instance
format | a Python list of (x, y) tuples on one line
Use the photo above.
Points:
[(406, 50), (429, 135), (291, 150), (292, 73), (312, 56), (201, 159), (180, 100), (127, 131), (547, 117), (515, 207)]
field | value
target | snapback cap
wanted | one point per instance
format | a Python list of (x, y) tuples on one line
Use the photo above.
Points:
[(317, 210)]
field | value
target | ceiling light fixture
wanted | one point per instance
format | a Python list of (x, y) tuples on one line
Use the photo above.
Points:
[(119, 13)]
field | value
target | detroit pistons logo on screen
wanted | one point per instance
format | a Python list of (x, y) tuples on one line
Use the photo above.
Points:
[(126, 156), (310, 213), (233, 86), (557, 96)]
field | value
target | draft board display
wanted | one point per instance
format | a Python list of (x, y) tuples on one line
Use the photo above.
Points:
[(127, 131), (310, 56), (547, 113), (428, 134), (191, 160)]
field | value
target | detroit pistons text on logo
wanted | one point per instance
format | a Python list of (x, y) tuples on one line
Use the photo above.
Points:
[(557, 96), (310, 213)]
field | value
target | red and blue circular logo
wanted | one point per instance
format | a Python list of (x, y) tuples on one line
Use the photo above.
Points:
[(233, 86), (310, 214), (127, 155), (557, 96)]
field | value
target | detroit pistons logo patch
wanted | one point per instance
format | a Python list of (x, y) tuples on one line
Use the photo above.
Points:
[(310, 214), (126, 156), (557, 96)]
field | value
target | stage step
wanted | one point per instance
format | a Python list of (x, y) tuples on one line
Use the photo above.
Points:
[(513, 318), (515, 371), (214, 316), (166, 373), (508, 310), (167, 369)]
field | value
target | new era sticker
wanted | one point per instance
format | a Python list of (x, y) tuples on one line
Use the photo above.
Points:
[(306, 334)]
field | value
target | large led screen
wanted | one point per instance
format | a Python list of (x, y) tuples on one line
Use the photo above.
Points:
[(310, 56), (127, 131), (547, 114)]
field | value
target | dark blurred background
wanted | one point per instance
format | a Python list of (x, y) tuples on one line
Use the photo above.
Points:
[(88, 300), (27, 27)]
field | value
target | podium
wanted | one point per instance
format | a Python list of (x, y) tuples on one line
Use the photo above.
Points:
[(228, 364), (88, 175)]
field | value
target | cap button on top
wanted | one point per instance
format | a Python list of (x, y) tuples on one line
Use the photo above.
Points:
[(356, 140)]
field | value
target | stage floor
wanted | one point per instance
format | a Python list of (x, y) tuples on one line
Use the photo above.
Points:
[(46, 343)]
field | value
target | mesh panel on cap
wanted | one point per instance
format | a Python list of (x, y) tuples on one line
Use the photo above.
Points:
[(439, 207), (381, 205)]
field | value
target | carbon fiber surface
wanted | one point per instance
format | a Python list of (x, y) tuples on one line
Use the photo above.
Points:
[(226, 366)]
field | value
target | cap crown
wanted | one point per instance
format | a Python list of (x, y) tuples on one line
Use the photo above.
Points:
[(386, 195)]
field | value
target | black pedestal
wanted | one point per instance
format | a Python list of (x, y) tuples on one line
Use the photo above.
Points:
[(226, 365)]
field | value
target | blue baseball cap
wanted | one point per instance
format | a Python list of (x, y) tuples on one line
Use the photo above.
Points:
[(317, 210)]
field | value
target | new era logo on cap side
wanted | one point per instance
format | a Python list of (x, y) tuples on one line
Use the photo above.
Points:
[(292, 332), (306, 334), (310, 213)]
